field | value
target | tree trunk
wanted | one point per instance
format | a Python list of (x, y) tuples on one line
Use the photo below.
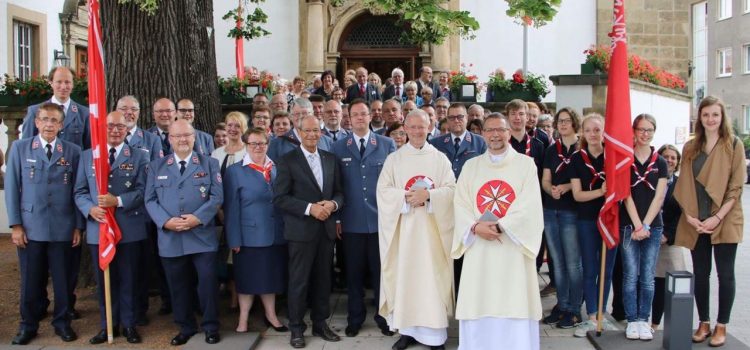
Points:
[(171, 54)]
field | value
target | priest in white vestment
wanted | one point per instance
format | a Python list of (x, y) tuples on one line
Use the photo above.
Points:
[(415, 216), (498, 229)]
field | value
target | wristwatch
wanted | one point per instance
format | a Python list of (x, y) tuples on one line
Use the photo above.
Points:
[(647, 227)]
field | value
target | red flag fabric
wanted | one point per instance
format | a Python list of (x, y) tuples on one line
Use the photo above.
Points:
[(109, 232), (239, 48), (618, 134)]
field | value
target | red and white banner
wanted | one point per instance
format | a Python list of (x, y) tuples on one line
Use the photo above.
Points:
[(239, 47), (618, 133), (109, 232)]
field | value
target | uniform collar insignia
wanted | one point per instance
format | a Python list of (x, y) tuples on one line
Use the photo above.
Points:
[(349, 142), (372, 141), (35, 145), (140, 133), (59, 148), (170, 160), (468, 137), (195, 160), (73, 108), (126, 152)]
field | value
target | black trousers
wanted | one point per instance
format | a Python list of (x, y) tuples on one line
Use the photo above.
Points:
[(34, 261), (123, 274), (618, 308), (657, 305), (724, 257), (179, 271), (310, 272), (362, 260)]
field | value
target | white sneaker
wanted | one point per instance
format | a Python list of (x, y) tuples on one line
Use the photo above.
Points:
[(633, 330), (585, 327), (645, 332)]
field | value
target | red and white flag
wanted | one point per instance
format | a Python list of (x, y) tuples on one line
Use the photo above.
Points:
[(618, 134), (239, 47), (109, 232)]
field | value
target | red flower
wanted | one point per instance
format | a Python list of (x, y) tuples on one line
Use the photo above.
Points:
[(518, 78), (264, 84)]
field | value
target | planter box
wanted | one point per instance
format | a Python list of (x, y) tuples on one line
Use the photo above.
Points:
[(231, 99), (13, 100), (527, 96)]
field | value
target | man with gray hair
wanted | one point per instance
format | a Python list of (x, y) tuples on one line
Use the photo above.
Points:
[(280, 146), (425, 80), (397, 87), (415, 221), (475, 111)]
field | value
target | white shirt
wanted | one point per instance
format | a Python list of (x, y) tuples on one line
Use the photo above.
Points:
[(366, 137), (57, 102), (44, 143), (461, 137), (132, 132)]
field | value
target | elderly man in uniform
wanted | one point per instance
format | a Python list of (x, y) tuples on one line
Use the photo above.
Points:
[(361, 156), (45, 225), (164, 113), (76, 130), (183, 195), (204, 142), (127, 182)]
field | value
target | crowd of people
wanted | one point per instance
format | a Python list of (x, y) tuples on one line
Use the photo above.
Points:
[(443, 210)]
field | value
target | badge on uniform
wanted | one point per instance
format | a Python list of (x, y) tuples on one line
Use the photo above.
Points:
[(346, 159), (127, 166), (170, 161), (66, 178), (35, 145), (195, 160), (128, 184), (59, 148), (468, 137), (218, 177), (63, 162), (74, 108), (203, 191), (31, 172), (373, 142), (140, 133), (162, 177), (126, 152), (199, 175), (349, 142)]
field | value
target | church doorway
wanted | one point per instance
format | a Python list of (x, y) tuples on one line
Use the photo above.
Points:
[(373, 42)]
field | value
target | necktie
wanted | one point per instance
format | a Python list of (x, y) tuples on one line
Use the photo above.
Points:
[(165, 143), (112, 151), (361, 147), (127, 137), (398, 91), (333, 134), (49, 151), (362, 91), (457, 144), (315, 167), (182, 167)]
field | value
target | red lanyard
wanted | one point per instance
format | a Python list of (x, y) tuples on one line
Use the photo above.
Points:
[(596, 175), (564, 161), (649, 169), (528, 145)]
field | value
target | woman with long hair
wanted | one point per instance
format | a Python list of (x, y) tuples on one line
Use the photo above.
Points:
[(589, 187), (560, 218), (709, 191), (641, 228)]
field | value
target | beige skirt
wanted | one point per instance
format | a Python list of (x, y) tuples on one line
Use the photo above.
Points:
[(671, 258)]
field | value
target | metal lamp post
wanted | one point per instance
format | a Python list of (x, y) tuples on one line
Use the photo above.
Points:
[(678, 310)]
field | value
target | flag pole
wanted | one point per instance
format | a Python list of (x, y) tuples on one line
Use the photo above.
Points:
[(599, 312), (108, 306)]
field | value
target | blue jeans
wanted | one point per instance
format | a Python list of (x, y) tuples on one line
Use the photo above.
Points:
[(638, 269), (590, 241), (562, 244)]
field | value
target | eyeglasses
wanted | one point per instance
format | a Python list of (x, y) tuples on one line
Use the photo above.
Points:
[(257, 144), (120, 127), (163, 111), (186, 110), (565, 121), (126, 109), (644, 131), (180, 136), (456, 117), (47, 120), (262, 117), (398, 133)]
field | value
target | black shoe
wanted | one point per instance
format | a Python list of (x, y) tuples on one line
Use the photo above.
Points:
[(180, 339), (101, 337), (66, 334), (131, 335), (23, 337), (142, 321), (281, 329), (439, 347), (404, 342), (212, 337), (555, 316), (326, 334), (298, 340), (383, 325), (165, 310), (352, 331), (73, 314)]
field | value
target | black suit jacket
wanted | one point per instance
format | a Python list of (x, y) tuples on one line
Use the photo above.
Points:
[(295, 187), (371, 93), (390, 91)]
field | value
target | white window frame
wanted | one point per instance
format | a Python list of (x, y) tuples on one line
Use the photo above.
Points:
[(746, 117), (747, 6), (23, 49), (723, 62), (725, 10), (746, 58)]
